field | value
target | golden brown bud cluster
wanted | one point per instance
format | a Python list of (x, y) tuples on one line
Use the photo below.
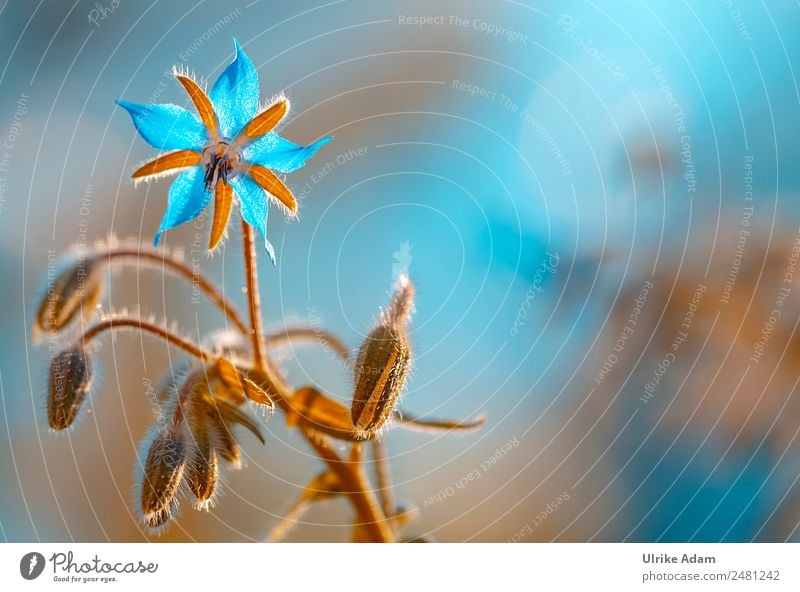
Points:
[(192, 434), (208, 395)]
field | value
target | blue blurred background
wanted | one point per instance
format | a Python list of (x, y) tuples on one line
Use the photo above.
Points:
[(534, 166)]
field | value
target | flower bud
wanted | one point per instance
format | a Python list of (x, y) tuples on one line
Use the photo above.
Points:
[(163, 471), (382, 366), (69, 383), (202, 471), (160, 518), (78, 287)]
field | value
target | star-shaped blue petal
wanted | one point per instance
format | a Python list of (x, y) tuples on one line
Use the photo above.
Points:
[(280, 154), (188, 196), (167, 127), (235, 94)]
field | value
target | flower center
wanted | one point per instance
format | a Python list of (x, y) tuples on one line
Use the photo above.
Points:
[(219, 161)]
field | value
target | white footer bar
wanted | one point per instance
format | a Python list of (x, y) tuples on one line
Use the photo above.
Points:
[(412, 567)]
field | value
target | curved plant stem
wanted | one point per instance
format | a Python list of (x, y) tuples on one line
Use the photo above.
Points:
[(153, 329), (256, 330), (353, 480), (308, 334), (183, 270), (356, 487), (354, 483), (384, 477), (290, 518)]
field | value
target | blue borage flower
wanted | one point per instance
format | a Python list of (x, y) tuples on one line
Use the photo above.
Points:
[(228, 147)]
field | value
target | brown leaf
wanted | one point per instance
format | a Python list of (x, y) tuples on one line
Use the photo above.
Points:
[(315, 411), (232, 414)]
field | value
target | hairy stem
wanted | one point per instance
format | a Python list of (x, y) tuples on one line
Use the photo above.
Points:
[(383, 476), (256, 330), (148, 327), (290, 518), (354, 483), (351, 476), (308, 334), (355, 487), (183, 270)]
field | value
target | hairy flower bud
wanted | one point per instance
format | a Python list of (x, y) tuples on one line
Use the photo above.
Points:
[(69, 383), (160, 518), (163, 471), (382, 366), (79, 287), (202, 470)]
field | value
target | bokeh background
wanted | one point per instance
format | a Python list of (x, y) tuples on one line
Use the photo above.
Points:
[(598, 203)]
